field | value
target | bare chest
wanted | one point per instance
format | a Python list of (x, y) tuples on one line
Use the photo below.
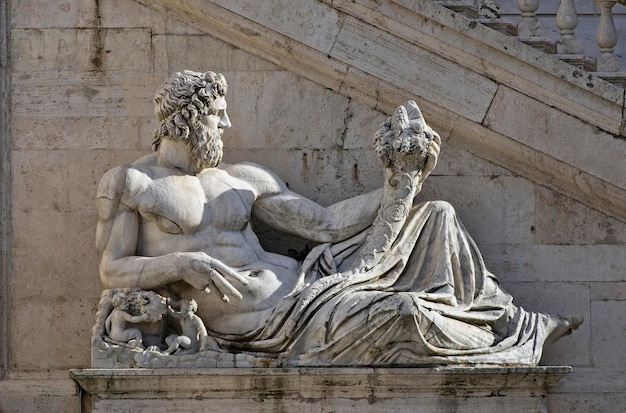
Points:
[(184, 204)]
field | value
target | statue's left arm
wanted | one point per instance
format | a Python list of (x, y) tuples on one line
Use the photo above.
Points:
[(406, 145), (287, 211)]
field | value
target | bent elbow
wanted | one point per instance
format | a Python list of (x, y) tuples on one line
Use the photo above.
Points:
[(105, 278), (108, 276)]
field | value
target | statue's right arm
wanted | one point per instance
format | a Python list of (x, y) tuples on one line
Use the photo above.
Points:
[(117, 235), (173, 313)]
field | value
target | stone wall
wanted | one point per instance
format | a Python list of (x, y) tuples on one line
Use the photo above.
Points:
[(82, 74)]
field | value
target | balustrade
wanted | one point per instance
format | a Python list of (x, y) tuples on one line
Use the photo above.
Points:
[(606, 38), (529, 26), (567, 47)]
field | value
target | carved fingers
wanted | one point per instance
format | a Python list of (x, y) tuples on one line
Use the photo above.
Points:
[(434, 148), (228, 272), (223, 286), (218, 274)]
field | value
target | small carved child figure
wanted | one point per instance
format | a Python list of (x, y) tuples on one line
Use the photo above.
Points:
[(194, 336), (116, 322)]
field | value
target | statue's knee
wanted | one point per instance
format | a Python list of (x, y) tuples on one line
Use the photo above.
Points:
[(135, 334), (442, 207), (396, 307), (170, 339), (405, 306)]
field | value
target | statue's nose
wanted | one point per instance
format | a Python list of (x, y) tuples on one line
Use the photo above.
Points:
[(224, 121)]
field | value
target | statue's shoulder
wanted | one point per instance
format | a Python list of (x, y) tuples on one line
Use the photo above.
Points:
[(263, 178), (248, 169), (116, 180)]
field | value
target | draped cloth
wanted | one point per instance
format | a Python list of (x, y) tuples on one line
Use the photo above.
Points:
[(428, 300)]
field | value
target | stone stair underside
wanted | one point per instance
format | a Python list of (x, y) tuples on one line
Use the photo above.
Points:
[(500, 99)]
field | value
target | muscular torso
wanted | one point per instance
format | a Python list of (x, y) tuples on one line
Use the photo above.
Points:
[(209, 213)]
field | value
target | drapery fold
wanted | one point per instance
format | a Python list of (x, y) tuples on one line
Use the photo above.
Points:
[(427, 300)]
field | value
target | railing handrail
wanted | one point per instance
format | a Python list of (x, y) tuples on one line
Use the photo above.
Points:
[(567, 47)]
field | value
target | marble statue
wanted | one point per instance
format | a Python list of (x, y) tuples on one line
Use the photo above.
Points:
[(193, 337), (390, 281), (116, 322), (118, 308)]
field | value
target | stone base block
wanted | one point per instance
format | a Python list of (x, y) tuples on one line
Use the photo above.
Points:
[(301, 390)]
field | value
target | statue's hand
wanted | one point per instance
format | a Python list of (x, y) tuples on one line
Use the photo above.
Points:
[(433, 154), (206, 271)]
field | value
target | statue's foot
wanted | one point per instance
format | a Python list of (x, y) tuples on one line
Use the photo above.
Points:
[(563, 326)]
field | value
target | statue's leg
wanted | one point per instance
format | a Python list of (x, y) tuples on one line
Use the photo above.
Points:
[(172, 343)]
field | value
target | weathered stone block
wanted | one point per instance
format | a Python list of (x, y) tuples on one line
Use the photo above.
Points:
[(340, 389), (127, 14), (122, 49), (81, 49), (75, 133), (556, 262), (323, 176), (590, 390), (608, 324), (44, 319), (40, 177), (562, 220), (304, 118), (360, 125), (201, 53), (53, 13), (587, 401), (53, 255), (558, 134), (51, 94), (378, 53), (27, 49), (456, 161), (506, 202), (311, 23), (604, 291), (44, 403)]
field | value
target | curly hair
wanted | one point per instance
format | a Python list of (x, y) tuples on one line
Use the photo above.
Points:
[(119, 299), (182, 100), (189, 304)]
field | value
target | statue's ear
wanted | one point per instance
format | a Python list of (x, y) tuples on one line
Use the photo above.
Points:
[(414, 113)]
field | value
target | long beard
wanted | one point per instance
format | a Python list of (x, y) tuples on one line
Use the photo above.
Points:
[(205, 146)]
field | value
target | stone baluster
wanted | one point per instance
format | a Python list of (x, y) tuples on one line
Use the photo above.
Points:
[(566, 21), (528, 26), (606, 38)]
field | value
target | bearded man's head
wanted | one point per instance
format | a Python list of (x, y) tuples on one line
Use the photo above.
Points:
[(179, 104)]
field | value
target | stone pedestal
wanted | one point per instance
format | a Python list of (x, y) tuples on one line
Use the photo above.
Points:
[(301, 390)]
